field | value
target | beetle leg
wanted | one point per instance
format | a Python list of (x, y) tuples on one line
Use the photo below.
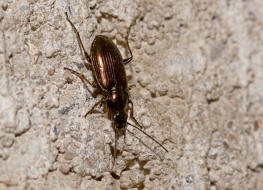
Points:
[(124, 135), (132, 116), (81, 76), (129, 59), (81, 46), (115, 146), (124, 138), (95, 105)]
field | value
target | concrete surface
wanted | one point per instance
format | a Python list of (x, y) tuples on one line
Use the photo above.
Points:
[(197, 87)]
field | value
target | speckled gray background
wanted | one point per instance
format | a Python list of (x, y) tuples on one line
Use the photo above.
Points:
[(197, 87)]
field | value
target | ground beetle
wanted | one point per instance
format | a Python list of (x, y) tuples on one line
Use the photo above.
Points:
[(107, 66)]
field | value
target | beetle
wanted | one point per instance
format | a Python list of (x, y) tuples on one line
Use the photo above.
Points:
[(107, 66)]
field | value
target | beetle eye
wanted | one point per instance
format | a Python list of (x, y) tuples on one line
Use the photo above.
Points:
[(115, 116)]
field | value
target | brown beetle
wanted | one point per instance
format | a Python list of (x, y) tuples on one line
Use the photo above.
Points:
[(107, 66)]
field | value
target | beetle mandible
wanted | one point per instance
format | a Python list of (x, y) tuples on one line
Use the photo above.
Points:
[(108, 70)]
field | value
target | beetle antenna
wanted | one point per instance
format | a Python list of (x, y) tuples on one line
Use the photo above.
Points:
[(148, 136), (143, 143)]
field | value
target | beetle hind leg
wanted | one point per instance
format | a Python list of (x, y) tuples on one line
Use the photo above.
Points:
[(81, 46)]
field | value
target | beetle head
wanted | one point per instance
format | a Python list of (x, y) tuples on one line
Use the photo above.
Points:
[(120, 119)]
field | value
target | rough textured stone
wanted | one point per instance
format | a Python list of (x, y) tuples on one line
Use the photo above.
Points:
[(196, 83)]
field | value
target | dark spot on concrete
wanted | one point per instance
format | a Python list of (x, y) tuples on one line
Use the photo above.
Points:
[(256, 125), (66, 110), (230, 124), (189, 179), (226, 146), (69, 80)]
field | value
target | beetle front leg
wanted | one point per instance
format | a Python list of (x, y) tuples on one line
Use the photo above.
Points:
[(132, 116)]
